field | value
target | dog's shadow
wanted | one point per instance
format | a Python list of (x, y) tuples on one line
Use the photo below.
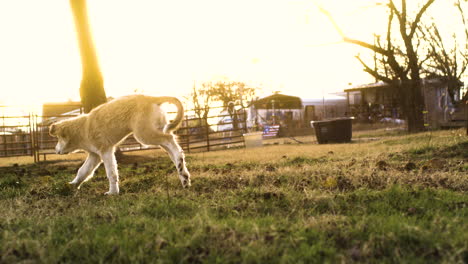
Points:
[(126, 159)]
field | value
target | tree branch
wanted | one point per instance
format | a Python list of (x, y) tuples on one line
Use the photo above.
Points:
[(332, 20), (403, 13), (372, 72), (345, 38), (393, 8), (389, 28), (366, 45), (415, 23), (465, 53)]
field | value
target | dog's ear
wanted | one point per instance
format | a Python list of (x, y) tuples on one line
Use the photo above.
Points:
[(53, 130)]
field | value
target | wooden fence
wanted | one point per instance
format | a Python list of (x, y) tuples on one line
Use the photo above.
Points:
[(28, 135), (15, 136)]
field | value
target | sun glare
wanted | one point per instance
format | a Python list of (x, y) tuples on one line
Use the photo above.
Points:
[(163, 47)]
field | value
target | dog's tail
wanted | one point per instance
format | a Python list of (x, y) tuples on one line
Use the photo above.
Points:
[(180, 112)]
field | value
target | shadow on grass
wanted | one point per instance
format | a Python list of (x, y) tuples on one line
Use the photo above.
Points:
[(453, 151)]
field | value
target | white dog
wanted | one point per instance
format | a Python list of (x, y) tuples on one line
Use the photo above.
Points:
[(105, 127)]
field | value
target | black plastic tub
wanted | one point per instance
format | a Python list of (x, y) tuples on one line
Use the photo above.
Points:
[(337, 130)]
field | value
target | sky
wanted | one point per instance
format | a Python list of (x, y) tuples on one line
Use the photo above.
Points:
[(165, 47)]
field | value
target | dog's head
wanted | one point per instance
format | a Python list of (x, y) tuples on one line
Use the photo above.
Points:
[(65, 135)]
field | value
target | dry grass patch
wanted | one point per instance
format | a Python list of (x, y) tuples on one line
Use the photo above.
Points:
[(402, 198)]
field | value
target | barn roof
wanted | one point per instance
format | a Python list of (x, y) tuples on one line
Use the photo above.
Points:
[(367, 86), (56, 109), (280, 101)]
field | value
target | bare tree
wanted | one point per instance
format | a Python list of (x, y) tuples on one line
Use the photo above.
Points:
[(449, 63), (400, 62), (201, 99), (92, 91)]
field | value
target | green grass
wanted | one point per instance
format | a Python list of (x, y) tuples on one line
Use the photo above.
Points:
[(399, 199)]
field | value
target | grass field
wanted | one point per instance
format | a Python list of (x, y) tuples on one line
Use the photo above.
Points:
[(394, 199)]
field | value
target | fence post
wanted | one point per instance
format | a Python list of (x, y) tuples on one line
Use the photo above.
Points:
[(207, 134), (31, 136), (245, 120), (34, 139), (4, 138), (187, 133), (38, 133), (245, 125)]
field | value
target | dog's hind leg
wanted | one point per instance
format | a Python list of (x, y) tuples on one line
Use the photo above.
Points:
[(110, 164), (86, 171), (177, 156)]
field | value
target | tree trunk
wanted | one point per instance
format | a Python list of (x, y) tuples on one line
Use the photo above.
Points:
[(92, 88), (412, 102), (92, 91)]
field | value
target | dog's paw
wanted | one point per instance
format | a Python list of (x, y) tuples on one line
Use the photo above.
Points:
[(74, 183), (185, 180), (186, 184), (111, 193)]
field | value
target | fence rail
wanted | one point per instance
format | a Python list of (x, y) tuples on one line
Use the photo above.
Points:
[(15, 136), (28, 135)]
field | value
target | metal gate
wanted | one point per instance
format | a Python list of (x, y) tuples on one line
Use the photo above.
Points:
[(28, 135)]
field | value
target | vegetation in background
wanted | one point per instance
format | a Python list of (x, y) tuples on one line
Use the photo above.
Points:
[(227, 93), (412, 49), (397, 199)]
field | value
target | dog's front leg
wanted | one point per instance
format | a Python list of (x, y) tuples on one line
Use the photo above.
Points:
[(111, 170), (86, 171)]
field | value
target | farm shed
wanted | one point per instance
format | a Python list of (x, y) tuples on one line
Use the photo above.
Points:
[(57, 109), (442, 111), (372, 102), (279, 101), (375, 101), (285, 110), (325, 107), (293, 112)]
